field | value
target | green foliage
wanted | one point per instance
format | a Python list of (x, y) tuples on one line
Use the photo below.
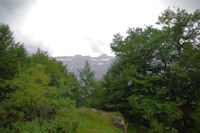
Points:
[(90, 121), (196, 116), (90, 91), (12, 54), (87, 86), (86, 76), (150, 109), (38, 96), (40, 125), (155, 77), (157, 127), (33, 97), (97, 96), (154, 82), (12, 59), (35, 90), (82, 120), (64, 81)]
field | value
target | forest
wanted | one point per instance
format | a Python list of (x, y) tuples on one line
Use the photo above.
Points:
[(154, 83)]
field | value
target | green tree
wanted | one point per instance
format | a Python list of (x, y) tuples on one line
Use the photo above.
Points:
[(12, 59), (66, 83), (182, 79), (59, 75), (156, 73), (12, 54), (87, 82), (33, 97)]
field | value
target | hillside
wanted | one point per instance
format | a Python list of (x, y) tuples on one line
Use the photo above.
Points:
[(85, 120)]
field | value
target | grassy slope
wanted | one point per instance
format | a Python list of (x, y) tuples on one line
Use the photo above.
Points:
[(93, 122), (89, 121)]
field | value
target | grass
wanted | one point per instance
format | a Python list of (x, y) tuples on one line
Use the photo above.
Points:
[(90, 121), (136, 129)]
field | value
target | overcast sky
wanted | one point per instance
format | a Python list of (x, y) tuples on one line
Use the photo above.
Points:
[(86, 27)]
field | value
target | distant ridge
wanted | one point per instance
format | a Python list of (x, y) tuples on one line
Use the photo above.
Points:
[(98, 64)]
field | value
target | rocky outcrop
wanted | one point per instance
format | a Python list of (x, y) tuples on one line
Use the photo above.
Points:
[(119, 122)]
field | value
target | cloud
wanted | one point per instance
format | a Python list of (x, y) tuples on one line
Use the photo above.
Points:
[(63, 25), (95, 45), (32, 45), (13, 11), (189, 5)]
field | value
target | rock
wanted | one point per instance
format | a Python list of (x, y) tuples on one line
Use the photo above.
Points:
[(103, 115), (94, 110), (119, 122)]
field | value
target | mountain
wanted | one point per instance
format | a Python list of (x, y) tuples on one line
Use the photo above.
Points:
[(98, 64)]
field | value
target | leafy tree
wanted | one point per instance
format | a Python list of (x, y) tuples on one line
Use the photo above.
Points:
[(156, 74), (12, 54), (33, 97), (12, 59), (35, 88), (59, 75), (183, 31)]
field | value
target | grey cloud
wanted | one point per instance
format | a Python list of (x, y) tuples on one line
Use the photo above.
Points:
[(12, 12), (32, 45), (189, 5), (95, 45)]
